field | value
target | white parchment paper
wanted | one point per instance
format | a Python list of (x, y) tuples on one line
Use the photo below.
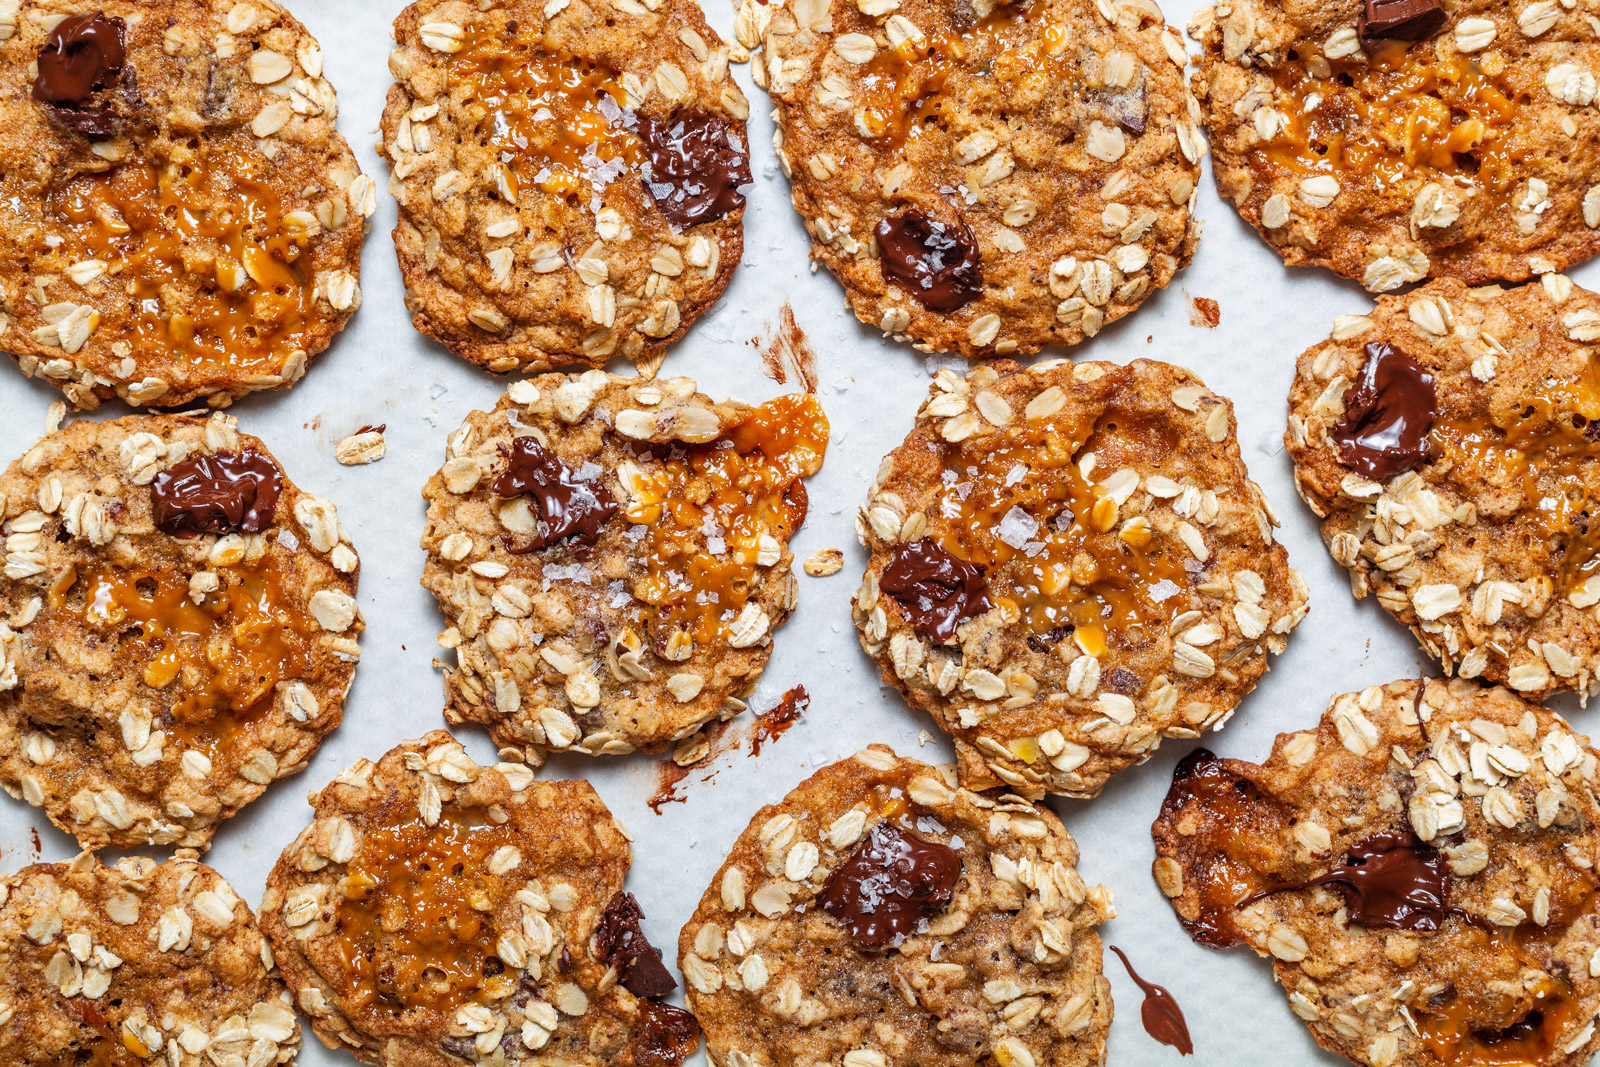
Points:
[(381, 371)]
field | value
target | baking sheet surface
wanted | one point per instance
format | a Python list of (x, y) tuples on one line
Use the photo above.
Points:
[(381, 371)]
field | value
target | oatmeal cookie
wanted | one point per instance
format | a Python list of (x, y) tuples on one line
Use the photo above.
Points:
[(1391, 140), (1420, 868), (1070, 563), (874, 878), (179, 217), (569, 176), (436, 912), (136, 963), (985, 178), (1445, 440), (178, 627), (612, 554)]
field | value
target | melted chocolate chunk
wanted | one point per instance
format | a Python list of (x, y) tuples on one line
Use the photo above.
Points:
[(1160, 1014), (83, 55), (1400, 20), (569, 504), (620, 942), (890, 884), (1388, 413), (663, 1036), (936, 262), (695, 165), (1390, 881), (226, 492), (937, 591)]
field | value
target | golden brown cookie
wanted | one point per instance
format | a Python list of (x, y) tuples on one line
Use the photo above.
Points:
[(1393, 140), (985, 178), (179, 218), (178, 627), (436, 913), (136, 963), (612, 554), (877, 915), (1447, 441), (1420, 868), (1070, 563), (569, 176)]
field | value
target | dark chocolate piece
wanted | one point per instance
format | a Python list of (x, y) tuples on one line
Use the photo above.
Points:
[(221, 493), (937, 590), (695, 162), (1390, 881), (1387, 415), (1400, 20), (620, 942), (889, 885), (1160, 1014), (569, 504), (937, 262), (83, 55)]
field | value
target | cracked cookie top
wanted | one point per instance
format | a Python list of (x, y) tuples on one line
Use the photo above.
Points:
[(136, 963), (436, 913), (985, 178), (569, 175), (612, 554), (181, 220), (1393, 142), (1070, 563), (1420, 868), (1447, 442), (879, 915), (178, 627)]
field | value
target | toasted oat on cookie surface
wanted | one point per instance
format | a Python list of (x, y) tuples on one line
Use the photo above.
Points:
[(1070, 563), (1447, 441), (1393, 140), (612, 554), (1425, 888), (136, 963), (568, 175), (178, 627), (985, 178), (874, 878), (179, 218), (437, 912)]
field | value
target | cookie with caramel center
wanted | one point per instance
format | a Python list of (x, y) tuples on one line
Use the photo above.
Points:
[(437, 912), (1419, 868), (613, 557), (570, 177), (182, 220), (180, 627), (1068, 564)]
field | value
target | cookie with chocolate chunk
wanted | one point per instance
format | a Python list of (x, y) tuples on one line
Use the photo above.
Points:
[(436, 912), (1395, 140), (569, 175), (179, 218), (1069, 563), (875, 877), (136, 963), (612, 554), (985, 178), (1420, 868), (1448, 442), (178, 627)]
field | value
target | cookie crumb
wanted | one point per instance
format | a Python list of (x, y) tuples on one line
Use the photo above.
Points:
[(366, 446), (824, 562), (1204, 312)]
